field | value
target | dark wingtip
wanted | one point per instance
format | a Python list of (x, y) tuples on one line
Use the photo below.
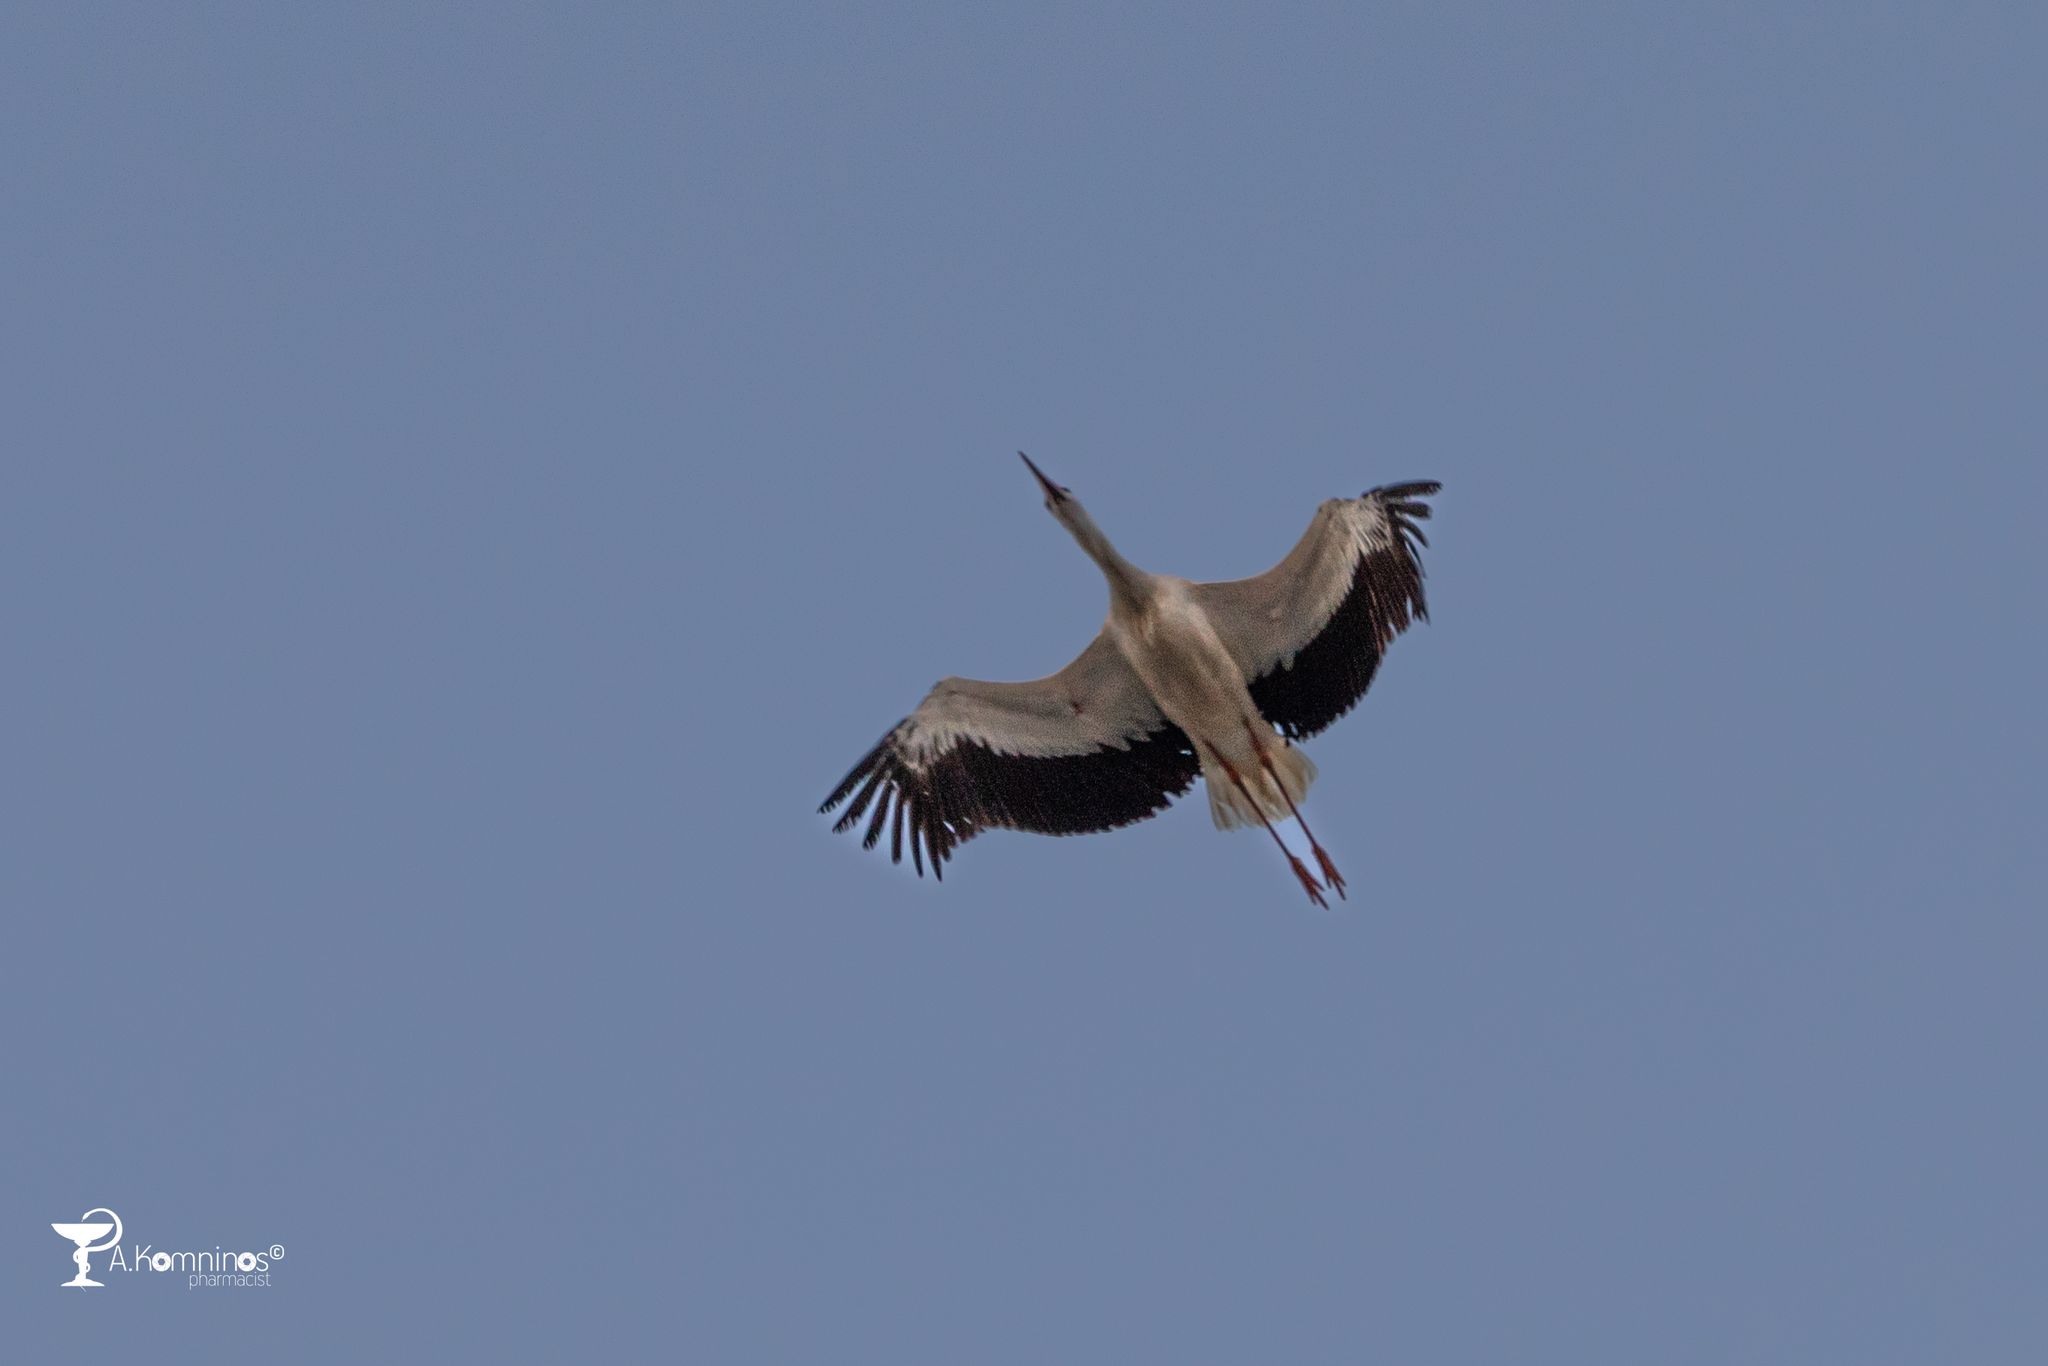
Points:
[(863, 769), (1404, 512), (1415, 488)]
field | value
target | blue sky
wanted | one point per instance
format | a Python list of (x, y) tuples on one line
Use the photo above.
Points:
[(480, 475)]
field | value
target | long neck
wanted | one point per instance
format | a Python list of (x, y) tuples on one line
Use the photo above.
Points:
[(1128, 584)]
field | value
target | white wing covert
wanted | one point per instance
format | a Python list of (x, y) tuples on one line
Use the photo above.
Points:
[(1310, 632), (1082, 750)]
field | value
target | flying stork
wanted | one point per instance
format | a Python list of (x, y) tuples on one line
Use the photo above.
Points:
[(1183, 679)]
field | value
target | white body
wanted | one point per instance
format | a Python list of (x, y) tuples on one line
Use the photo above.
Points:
[(1166, 634)]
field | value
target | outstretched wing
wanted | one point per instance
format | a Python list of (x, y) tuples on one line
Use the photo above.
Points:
[(1083, 750), (1309, 632)]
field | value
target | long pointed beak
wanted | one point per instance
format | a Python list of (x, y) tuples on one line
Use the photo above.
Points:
[(1052, 490)]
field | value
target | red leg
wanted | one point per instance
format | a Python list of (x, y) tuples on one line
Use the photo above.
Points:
[(1330, 873), (1308, 883)]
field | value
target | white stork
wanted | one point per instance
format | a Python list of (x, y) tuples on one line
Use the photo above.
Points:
[(1184, 678)]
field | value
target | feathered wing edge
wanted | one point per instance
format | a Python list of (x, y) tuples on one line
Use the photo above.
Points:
[(1328, 676), (955, 795)]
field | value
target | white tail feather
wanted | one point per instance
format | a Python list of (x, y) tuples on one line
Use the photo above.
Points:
[(1228, 806)]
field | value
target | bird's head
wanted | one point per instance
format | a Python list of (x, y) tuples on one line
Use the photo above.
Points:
[(1058, 501), (1126, 582)]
